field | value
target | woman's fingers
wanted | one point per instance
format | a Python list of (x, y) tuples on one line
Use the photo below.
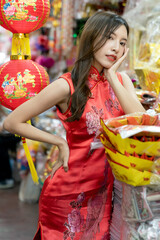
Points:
[(126, 53), (62, 159), (59, 164), (123, 57), (65, 165), (56, 166), (65, 157)]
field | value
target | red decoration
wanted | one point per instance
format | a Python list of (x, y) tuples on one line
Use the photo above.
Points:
[(20, 81), (24, 16)]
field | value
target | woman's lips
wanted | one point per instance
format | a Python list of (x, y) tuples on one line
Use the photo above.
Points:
[(111, 58)]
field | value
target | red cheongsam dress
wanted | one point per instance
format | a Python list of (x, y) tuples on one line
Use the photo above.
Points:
[(77, 205)]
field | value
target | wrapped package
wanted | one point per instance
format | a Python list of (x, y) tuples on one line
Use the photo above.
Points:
[(132, 146), (144, 41), (136, 212), (140, 208), (148, 59)]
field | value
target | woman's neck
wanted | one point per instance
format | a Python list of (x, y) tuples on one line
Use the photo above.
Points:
[(98, 67), (100, 70)]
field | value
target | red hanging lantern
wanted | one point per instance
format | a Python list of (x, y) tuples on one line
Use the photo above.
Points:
[(20, 81), (23, 16), (21, 78)]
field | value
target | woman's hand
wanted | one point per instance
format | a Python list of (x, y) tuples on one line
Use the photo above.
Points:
[(113, 69), (62, 158)]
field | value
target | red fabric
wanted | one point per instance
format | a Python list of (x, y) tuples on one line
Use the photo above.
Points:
[(77, 204)]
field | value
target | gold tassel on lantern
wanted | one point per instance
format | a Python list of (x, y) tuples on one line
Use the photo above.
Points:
[(30, 162), (29, 159)]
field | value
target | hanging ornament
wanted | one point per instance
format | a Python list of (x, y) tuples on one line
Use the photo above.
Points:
[(23, 16), (20, 80)]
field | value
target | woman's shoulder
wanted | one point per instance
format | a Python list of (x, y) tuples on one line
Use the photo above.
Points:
[(67, 77)]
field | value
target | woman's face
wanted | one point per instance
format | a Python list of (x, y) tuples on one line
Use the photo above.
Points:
[(112, 50)]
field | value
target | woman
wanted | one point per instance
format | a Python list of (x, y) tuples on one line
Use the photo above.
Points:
[(75, 202)]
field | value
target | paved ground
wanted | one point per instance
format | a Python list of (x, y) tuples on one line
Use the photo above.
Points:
[(18, 220)]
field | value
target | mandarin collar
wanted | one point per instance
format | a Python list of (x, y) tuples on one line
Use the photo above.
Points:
[(95, 75)]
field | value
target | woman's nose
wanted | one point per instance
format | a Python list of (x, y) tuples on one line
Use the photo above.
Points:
[(116, 46)]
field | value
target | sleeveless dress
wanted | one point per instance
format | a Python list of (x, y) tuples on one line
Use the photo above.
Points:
[(77, 205)]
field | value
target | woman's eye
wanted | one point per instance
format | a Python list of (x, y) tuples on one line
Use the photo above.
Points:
[(123, 44)]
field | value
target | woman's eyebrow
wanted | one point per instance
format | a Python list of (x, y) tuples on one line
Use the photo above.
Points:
[(121, 39), (124, 39)]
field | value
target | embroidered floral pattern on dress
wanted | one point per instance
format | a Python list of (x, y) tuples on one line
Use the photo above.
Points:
[(111, 93), (95, 212), (112, 103), (94, 76), (93, 120), (75, 219)]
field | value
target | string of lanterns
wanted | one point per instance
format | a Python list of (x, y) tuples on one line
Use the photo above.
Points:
[(21, 78)]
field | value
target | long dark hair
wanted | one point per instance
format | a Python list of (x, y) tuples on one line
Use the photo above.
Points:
[(101, 24)]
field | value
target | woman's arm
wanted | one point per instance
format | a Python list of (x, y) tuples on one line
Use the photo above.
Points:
[(126, 94), (56, 93)]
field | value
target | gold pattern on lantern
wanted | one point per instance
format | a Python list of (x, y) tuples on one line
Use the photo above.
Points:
[(15, 88), (18, 11)]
